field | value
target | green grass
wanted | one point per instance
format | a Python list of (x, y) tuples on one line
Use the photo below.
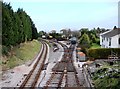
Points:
[(94, 45), (19, 55)]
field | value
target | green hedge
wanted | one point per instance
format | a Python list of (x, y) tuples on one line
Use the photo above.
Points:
[(102, 53)]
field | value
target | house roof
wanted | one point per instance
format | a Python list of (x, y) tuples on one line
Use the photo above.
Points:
[(78, 48), (81, 53), (112, 33)]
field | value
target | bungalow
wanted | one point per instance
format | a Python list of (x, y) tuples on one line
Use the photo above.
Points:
[(110, 39)]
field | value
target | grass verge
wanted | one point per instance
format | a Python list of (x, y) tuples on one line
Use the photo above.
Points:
[(21, 54)]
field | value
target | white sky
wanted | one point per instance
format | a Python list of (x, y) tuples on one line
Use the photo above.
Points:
[(75, 14)]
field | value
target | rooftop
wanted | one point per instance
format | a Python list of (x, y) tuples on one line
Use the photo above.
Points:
[(81, 53), (111, 33)]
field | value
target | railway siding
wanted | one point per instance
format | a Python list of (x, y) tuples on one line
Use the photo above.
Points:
[(32, 78), (64, 72)]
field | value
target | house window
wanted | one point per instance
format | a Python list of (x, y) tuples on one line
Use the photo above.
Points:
[(109, 41), (119, 41), (102, 40)]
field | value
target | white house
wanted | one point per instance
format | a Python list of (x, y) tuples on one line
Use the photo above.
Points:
[(110, 39)]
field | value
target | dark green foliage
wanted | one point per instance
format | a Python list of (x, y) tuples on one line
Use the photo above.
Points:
[(102, 52), (56, 35), (84, 40), (98, 41), (17, 26), (5, 50), (93, 38), (41, 33), (84, 30), (93, 34), (34, 31), (84, 50)]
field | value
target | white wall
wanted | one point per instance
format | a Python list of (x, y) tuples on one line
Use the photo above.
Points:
[(104, 42), (100, 40), (114, 41)]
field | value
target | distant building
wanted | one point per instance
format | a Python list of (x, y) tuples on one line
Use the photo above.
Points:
[(110, 39), (73, 40), (81, 56)]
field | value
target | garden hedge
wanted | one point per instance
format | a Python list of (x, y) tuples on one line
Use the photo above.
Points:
[(102, 53)]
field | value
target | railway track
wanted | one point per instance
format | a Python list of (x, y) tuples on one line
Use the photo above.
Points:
[(64, 68), (33, 76)]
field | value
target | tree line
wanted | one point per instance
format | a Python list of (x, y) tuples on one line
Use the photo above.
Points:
[(17, 27)]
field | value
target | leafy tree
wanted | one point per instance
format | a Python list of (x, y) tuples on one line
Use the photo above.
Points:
[(76, 34), (34, 32), (56, 35), (115, 27), (84, 30), (41, 33), (66, 32), (93, 38), (7, 25), (17, 27), (84, 40)]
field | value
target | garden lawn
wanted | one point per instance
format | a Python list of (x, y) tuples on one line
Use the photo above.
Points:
[(94, 45)]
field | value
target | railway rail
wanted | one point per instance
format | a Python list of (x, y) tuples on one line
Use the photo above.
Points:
[(33, 76), (64, 68)]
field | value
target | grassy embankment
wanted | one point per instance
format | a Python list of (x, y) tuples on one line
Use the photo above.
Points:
[(19, 55)]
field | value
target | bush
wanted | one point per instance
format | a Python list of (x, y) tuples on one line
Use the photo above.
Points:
[(84, 50), (5, 50), (102, 53), (98, 41)]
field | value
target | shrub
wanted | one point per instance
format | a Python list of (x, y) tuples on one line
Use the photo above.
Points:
[(102, 53), (98, 41), (5, 50)]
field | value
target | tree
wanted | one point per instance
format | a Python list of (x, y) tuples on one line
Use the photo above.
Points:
[(41, 33), (7, 25), (93, 38), (84, 40), (34, 30), (66, 32), (53, 31), (84, 30), (76, 34), (17, 26), (115, 27)]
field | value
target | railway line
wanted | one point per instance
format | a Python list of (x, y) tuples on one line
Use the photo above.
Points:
[(63, 73), (64, 69), (33, 76)]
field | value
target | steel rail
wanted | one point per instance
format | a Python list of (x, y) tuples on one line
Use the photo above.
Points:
[(38, 71)]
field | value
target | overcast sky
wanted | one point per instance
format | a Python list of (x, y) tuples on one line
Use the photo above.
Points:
[(74, 14)]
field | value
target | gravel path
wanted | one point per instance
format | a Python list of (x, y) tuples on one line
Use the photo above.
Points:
[(55, 56)]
